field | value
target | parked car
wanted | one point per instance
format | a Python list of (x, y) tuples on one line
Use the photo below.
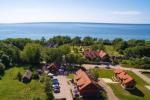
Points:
[(56, 90), (107, 67), (96, 66), (55, 81), (56, 86), (51, 75), (54, 77)]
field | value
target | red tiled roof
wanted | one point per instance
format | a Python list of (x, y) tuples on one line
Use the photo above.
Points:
[(94, 54), (101, 53), (118, 71), (121, 74), (82, 79), (53, 66)]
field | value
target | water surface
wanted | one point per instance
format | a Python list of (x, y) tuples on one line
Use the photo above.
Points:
[(105, 31)]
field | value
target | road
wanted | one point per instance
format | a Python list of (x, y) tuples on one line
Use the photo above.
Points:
[(109, 92), (134, 70), (64, 89)]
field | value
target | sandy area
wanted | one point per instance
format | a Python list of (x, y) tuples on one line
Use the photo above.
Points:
[(107, 80)]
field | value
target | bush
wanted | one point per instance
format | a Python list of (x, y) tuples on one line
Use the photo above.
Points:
[(48, 89), (42, 79), (35, 76), (19, 76), (138, 62)]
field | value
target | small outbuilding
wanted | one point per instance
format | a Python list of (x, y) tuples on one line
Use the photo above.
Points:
[(27, 76), (52, 68)]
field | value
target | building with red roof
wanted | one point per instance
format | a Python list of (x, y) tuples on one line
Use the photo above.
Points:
[(85, 85), (126, 81), (94, 54), (52, 68)]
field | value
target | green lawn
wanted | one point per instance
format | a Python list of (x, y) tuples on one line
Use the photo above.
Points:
[(106, 73), (70, 76), (12, 89), (140, 93), (147, 74)]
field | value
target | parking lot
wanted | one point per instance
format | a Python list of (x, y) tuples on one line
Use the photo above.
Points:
[(64, 89)]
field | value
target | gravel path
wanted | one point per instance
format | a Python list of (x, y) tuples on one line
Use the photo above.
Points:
[(64, 89)]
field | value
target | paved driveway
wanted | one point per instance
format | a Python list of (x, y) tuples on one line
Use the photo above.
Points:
[(64, 89), (109, 92)]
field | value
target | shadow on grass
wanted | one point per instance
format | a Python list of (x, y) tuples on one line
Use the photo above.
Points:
[(137, 92), (94, 98), (101, 96)]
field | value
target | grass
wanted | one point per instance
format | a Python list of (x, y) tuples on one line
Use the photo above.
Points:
[(147, 74), (70, 76), (12, 89), (106, 73), (140, 92)]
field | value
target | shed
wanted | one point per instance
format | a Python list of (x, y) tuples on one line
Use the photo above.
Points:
[(52, 68), (27, 76)]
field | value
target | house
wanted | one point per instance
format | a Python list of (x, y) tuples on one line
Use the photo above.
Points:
[(86, 86), (52, 68), (27, 76), (94, 54), (126, 81)]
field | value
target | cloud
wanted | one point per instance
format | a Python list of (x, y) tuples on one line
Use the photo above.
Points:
[(126, 13)]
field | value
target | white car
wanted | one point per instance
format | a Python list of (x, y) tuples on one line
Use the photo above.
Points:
[(50, 74)]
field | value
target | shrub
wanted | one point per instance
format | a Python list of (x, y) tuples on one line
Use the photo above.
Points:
[(35, 76), (19, 76), (48, 89)]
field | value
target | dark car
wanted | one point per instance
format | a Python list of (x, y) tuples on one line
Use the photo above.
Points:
[(96, 66), (56, 86), (55, 81), (56, 90)]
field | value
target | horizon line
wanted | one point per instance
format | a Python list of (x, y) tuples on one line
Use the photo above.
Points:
[(75, 22)]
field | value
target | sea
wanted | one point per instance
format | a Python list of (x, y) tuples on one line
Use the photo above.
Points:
[(73, 29)]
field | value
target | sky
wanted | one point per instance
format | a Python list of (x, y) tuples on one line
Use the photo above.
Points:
[(99, 11)]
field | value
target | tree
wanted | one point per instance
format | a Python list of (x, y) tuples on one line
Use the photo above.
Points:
[(5, 60), (98, 47), (88, 41), (60, 40), (76, 40), (2, 68), (75, 59), (43, 41), (18, 42), (65, 49), (71, 58), (52, 55), (138, 51), (94, 74), (133, 43), (9, 53), (31, 53), (119, 44), (48, 89)]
